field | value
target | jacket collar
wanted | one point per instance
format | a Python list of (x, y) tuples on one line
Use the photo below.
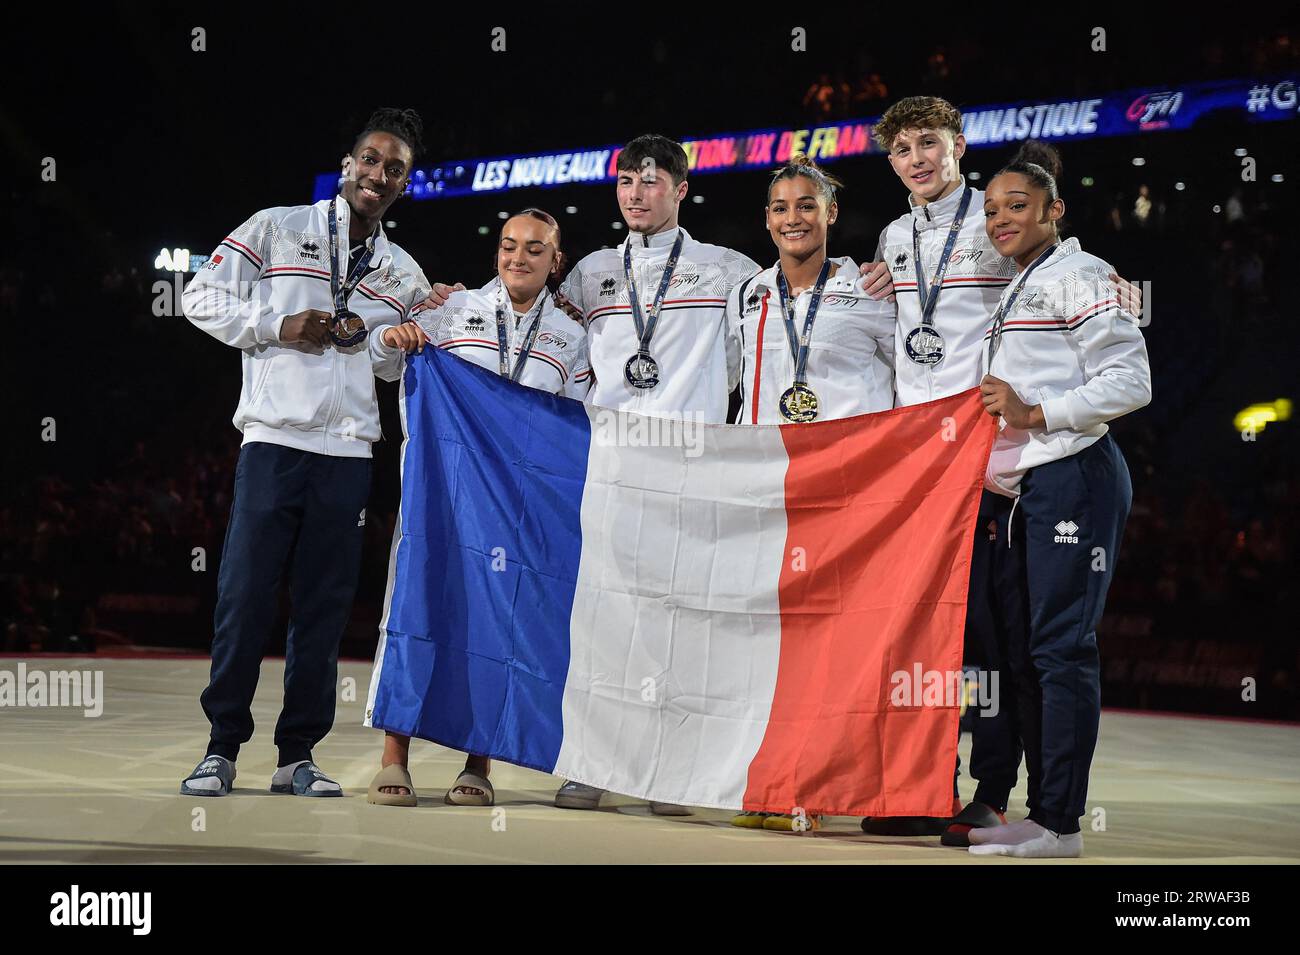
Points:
[(494, 292), (660, 240), (939, 214), (1061, 250), (383, 251), (843, 280)]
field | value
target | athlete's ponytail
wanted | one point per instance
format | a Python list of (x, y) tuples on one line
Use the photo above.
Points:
[(801, 165)]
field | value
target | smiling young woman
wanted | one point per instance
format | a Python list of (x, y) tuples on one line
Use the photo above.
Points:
[(813, 343), (513, 327), (1061, 358)]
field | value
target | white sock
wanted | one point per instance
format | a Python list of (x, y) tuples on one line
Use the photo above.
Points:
[(284, 777), (210, 782), (1045, 845), (1009, 834)]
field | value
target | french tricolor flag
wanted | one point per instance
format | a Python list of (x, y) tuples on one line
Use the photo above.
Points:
[(714, 615)]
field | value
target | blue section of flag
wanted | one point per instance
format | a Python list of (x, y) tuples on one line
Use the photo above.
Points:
[(477, 648)]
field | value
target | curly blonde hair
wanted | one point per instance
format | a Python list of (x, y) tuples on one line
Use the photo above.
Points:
[(916, 112)]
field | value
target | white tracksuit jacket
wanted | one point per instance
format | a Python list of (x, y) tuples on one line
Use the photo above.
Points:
[(466, 326), (850, 356), (697, 365), (277, 264), (976, 276), (1068, 346)]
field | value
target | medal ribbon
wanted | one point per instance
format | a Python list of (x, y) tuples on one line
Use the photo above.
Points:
[(645, 328), (1008, 303), (341, 293), (799, 347), (503, 348), (930, 298)]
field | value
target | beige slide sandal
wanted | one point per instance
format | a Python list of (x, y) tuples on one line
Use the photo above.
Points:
[(468, 780), (392, 775)]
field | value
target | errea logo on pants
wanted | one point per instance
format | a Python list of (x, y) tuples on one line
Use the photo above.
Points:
[(1065, 532)]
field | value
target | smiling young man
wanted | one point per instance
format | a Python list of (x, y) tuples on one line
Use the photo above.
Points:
[(312, 296), (949, 278), (664, 349)]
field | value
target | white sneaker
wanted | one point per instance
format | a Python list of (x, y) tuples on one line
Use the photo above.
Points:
[(578, 796)]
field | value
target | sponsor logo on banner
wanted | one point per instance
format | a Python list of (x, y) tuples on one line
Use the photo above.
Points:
[(1154, 110)]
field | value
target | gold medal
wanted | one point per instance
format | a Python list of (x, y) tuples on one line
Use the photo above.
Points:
[(799, 404)]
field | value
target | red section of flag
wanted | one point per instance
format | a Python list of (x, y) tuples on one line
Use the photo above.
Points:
[(881, 515)]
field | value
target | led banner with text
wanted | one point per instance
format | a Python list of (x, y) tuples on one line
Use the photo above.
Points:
[(1132, 112)]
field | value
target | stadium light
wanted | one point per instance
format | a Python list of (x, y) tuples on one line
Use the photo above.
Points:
[(1217, 210), (483, 230), (1277, 177), (570, 209), (1180, 186), (697, 199), (1139, 161), (503, 215), (1087, 181), (1239, 152), (1256, 417), (390, 224), (973, 176), (616, 226)]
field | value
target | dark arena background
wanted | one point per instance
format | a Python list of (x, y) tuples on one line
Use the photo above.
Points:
[(119, 451)]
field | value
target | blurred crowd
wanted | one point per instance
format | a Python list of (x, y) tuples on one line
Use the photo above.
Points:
[(964, 72)]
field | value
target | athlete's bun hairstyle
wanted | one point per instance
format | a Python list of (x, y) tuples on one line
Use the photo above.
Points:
[(1040, 164), (801, 165), (405, 124), (553, 279)]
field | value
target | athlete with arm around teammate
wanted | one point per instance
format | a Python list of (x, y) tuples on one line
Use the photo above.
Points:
[(949, 277)]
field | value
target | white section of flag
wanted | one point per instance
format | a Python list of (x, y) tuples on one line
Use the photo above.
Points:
[(672, 695)]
